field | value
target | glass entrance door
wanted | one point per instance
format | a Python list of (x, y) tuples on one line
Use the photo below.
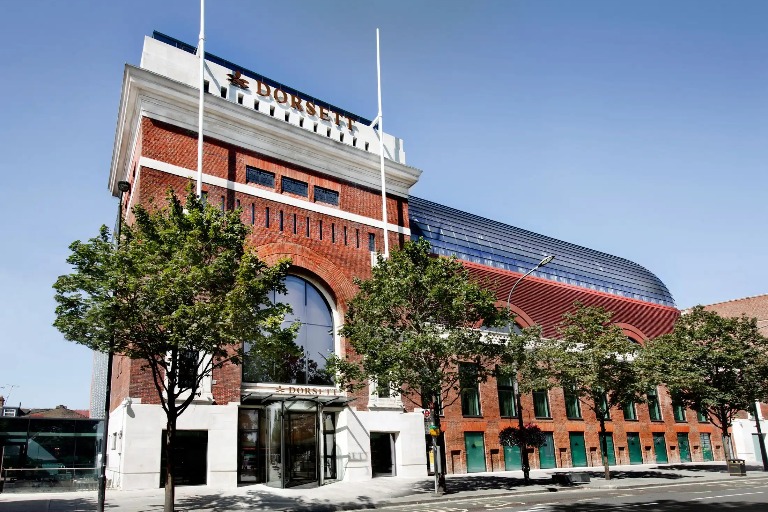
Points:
[(273, 418), (301, 448)]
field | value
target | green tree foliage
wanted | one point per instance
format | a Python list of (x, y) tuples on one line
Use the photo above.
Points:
[(712, 364), (595, 362), (179, 293), (413, 322)]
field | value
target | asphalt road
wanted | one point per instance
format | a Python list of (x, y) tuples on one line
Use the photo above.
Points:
[(746, 496)]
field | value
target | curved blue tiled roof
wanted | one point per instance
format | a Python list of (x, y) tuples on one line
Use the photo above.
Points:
[(487, 242)]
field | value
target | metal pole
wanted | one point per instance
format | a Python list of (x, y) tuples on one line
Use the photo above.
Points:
[(524, 462), (381, 152), (123, 187), (201, 56)]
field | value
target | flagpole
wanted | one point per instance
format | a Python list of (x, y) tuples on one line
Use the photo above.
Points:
[(201, 56), (381, 152)]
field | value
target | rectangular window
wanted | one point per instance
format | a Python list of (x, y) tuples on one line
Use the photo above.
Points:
[(357, 238), (333, 233), (292, 186), (259, 176), (307, 227), (320, 229), (679, 411), (253, 214), (505, 385), (541, 404), (630, 411), (654, 410), (187, 369), (280, 218), (470, 393), (266, 217), (371, 242), (383, 390), (572, 405), (604, 407), (702, 417), (237, 204), (345, 235), (223, 203), (325, 195), (295, 227)]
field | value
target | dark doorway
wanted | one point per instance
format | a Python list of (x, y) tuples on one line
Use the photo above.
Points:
[(190, 458), (301, 448), (382, 454)]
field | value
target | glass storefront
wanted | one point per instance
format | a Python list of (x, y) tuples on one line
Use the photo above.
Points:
[(283, 443), (38, 453)]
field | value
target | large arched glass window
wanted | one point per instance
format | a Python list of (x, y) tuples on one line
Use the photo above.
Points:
[(302, 360)]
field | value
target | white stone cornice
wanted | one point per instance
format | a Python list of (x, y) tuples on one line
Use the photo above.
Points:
[(152, 95)]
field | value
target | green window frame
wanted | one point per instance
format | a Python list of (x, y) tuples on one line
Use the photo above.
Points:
[(541, 404), (679, 412), (470, 392), (604, 406), (572, 405), (702, 417), (506, 388), (654, 409), (630, 412)]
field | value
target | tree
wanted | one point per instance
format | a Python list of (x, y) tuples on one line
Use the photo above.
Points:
[(594, 362), (180, 293), (712, 364), (413, 327)]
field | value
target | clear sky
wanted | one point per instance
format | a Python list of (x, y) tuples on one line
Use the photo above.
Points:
[(637, 128)]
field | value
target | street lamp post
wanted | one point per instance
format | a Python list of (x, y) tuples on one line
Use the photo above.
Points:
[(516, 387), (123, 187)]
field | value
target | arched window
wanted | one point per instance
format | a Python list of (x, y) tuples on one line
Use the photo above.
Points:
[(301, 360)]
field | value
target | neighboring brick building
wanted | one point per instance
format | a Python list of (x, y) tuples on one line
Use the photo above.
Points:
[(744, 435), (306, 176)]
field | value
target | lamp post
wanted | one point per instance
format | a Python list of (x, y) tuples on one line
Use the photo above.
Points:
[(123, 187), (516, 387)]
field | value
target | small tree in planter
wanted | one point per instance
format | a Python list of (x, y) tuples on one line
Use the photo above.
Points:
[(530, 436)]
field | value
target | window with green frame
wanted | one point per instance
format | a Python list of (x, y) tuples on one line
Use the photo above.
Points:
[(541, 404), (470, 392), (572, 404), (630, 411), (654, 409), (506, 387), (679, 411), (702, 417)]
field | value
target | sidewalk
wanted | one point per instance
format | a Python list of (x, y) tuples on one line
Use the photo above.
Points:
[(375, 493)]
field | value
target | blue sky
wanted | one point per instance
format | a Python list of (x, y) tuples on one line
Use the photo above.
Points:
[(634, 128)]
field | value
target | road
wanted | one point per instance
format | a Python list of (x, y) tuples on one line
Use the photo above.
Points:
[(742, 495)]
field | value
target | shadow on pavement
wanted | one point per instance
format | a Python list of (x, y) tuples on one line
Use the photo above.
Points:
[(662, 506), (264, 501), (42, 505)]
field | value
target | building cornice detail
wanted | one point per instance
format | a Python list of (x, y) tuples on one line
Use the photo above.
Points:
[(147, 94)]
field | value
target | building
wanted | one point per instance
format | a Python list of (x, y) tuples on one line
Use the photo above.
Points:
[(306, 176), (745, 436)]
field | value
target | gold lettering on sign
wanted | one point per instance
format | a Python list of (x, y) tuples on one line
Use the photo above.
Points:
[(263, 89), (283, 96)]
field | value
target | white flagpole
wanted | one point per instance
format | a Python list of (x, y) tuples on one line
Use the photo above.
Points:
[(381, 152), (201, 56)]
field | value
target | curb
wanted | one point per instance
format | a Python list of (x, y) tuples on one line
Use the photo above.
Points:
[(437, 500)]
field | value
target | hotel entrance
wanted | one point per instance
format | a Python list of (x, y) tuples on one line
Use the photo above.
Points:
[(287, 443)]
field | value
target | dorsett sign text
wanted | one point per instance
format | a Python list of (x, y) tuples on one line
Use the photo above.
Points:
[(295, 102), (306, 391)]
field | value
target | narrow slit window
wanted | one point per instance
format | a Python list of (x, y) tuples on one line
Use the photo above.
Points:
[(328, 132), (272, 110), (371, 242), (287, 116), (206, 86), (366, 146), (255, 104), (357, 238), (307, 227), (240, 98), (315, 128), (295, 227), (223, 203), (253, 214), (301, 122), (266, 217), (281, 220), (341, 137), (237, 203), (223, 91), (354, 141), (320, 230), (333, 233), (345, 235)]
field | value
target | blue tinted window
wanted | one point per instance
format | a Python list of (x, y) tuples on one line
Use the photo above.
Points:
[(300, 188), (259, 176), (324, 195)]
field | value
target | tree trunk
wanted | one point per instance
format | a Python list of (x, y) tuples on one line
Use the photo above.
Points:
[(727, 447), (604, 448), (170, 438), (440, 487)]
